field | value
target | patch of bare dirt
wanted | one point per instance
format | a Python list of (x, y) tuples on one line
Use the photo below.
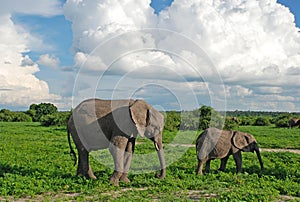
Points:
[(296, 151)]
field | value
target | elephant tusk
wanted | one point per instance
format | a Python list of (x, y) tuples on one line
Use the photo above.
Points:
[(156, 146)]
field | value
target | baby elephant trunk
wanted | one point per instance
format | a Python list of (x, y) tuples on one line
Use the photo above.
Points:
[(259, 158)]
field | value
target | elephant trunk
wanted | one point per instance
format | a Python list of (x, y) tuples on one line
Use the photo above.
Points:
[(160, 152), (259, 158)]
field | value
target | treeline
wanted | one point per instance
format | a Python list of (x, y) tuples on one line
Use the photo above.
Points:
[(249, 113), (199, 119), (205, 117), (45, 113)]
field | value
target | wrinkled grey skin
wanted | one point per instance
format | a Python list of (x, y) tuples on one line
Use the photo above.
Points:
[(98, 124), (213, 143), (294, 122)]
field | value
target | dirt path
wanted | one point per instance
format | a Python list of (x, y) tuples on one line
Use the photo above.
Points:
[(296, 151)]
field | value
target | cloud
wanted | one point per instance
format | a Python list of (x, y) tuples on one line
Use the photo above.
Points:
[(44, 7), (49, 61), (253, 45), (19, 87)]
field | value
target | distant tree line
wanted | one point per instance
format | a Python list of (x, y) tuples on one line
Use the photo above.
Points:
[(205, 117), (198, 119), (45, 113)]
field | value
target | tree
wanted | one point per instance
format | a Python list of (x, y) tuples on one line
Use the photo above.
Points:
[(40, 110), (172, 121), (208, 117), (261, 121)]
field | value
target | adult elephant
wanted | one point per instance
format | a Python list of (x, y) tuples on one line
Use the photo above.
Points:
[(213, 143), (98, 124), (294, 122)]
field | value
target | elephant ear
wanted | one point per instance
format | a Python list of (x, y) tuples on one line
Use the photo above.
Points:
[(241, 140), (140, 114)]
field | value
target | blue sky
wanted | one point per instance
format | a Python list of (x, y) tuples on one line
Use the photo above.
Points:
[(53, 47)]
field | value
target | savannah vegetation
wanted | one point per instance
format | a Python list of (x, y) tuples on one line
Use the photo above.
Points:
[(35, 163)]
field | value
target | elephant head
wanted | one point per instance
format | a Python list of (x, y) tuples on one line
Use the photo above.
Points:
[(150, 123), (246, 143)]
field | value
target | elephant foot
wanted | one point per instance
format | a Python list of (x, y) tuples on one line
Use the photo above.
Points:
[(124, 178), (199, 172), (91, 174), (114, 179)]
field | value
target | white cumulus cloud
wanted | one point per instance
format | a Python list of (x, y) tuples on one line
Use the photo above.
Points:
[(49, 61), (253, 45), (19, 87)]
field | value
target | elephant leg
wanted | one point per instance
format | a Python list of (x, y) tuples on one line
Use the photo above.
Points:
[(207, 166), (238, 161), (127, 159), (117, 150), (84, 168), (200, 166), (223, 163)]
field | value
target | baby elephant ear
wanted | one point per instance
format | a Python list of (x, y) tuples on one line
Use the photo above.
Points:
[(140, 113), (240, 140)]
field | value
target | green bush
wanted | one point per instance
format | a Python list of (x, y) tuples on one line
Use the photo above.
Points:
[(246, 120), (189, 121), (208, 117), (261, 121), (172, 121), (9, 116), (230, 124), (56, 119), (282, 121), (202, 118)]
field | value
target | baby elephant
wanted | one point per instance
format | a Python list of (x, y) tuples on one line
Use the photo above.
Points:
[(213, 143)]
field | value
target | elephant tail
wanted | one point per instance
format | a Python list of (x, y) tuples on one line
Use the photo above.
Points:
[(72, 152)]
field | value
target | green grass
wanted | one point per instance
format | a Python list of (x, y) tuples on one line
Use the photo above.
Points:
[(272, 137), (35, 165)]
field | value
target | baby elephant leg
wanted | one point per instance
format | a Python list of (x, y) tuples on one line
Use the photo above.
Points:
[(238, 161), (223, 163), (200, 166), (207, 166)]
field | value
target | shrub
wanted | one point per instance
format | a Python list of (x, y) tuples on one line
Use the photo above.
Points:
[(282, 123), (189, 121), (282, 120), (261, 121), (246, 121), (9, 116), (56, 119), (172, 121), (209, 118), (230, 124)]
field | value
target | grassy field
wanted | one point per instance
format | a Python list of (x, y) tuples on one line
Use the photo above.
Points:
[(35, 165)]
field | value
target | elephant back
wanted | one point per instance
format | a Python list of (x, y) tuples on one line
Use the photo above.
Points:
[(213, 143), (90, 124)]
